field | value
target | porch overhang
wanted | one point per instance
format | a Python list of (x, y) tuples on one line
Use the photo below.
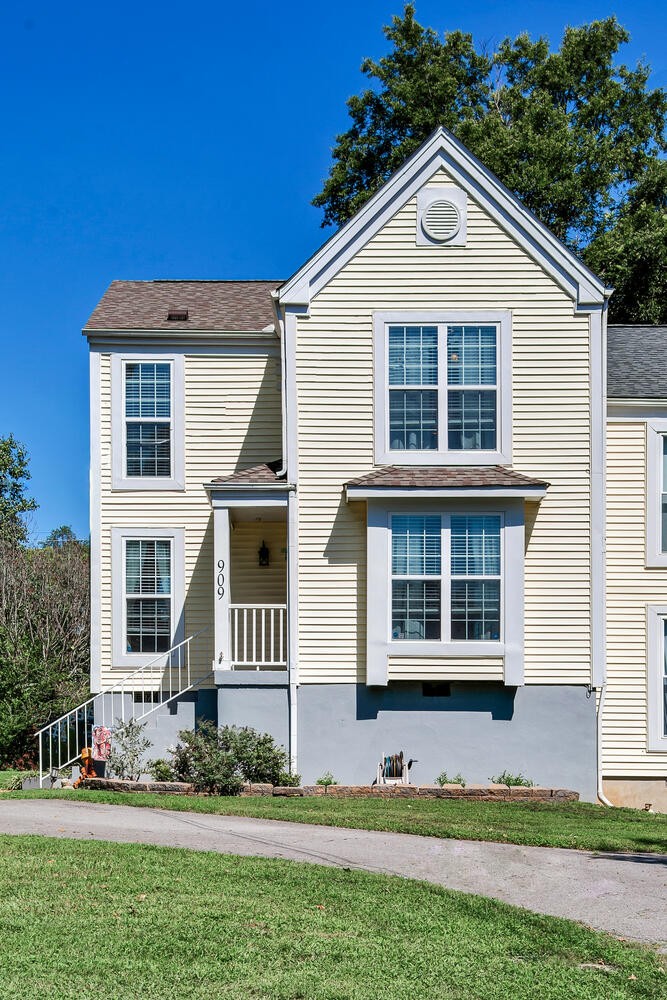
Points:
[(260, 486)]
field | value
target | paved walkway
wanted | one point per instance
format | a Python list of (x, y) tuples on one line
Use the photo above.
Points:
[(625, 894)]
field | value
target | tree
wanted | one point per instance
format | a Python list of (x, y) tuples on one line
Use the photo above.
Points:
[(59, 537), (632, 256), (569, 132), (14, 501)]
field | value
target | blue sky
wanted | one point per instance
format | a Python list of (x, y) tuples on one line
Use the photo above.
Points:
[(157, 140)]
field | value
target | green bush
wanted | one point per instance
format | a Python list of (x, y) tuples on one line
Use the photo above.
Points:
[(509, 779), (220, 760), (444, 779), (161, 770)]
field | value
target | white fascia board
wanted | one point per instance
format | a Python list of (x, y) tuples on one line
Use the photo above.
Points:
[(442, 149), (255, 496), (451, 493)]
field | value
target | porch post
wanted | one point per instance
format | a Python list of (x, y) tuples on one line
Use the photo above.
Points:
[(221, 588)]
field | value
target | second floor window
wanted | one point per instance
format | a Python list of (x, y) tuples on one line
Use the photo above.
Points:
[(148, 448)]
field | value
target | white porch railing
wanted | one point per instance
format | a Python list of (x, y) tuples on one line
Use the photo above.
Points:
[(151, 687), (258, 636)]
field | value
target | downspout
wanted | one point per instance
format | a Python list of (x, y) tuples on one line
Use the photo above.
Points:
[(291, 545), (602, 687)]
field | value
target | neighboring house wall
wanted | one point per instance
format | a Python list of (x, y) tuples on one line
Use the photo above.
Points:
[(231, 421), (633, 588), (551, 438)]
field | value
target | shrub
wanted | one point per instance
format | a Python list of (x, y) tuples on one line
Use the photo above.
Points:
[(128, 746), (326, 779), (509, 779), (160, 770), (220, 760), (444, 779)]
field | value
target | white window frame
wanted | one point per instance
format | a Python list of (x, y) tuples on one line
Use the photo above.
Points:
[(656, 430), (502, 455), (656, 615), (119, 536), (380, 645), (120, 479)]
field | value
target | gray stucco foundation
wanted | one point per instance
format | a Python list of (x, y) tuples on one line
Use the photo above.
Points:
[(546, 732), (264, 706)]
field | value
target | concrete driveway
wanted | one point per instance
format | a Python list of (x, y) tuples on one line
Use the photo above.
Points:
[(625, 894)]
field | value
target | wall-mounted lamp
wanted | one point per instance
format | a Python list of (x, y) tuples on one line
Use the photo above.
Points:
[(263, 554)]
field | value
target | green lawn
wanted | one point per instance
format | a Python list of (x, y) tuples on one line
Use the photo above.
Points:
[(84, 920), (578, 825), (6, 777)]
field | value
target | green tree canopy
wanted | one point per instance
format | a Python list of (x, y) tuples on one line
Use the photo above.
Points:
[(574, 134), (14, 501)]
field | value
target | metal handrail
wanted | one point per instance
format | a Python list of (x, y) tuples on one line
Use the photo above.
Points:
[(82, 712)]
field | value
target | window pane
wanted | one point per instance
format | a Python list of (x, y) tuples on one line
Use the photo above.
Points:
[(413, 355), (147, 566), (148, 625), (472, 419), (476, 546), (415, 609), (664, 679), (148, 390), (148, 450), (471, 355), (413, 419), (476, 609), (415, 546)]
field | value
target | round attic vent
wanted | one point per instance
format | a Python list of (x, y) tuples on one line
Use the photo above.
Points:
[(441, 221)]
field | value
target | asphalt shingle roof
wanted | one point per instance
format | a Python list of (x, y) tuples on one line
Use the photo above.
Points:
[(636, 362), (258, 475), (234, 306), (443, 476)]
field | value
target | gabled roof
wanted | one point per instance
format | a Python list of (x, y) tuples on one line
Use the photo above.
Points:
[(636, 362), (442, 149), (221, 306), (258, 475), (442, 480)]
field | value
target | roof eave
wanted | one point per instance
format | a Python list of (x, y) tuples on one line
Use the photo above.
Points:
[(535, 493)]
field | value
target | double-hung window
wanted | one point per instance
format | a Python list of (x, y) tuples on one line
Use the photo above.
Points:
[(446, 577), (147, 422), (148, 450), (656, 487), (442, 388), (148, 594), (147, 566)]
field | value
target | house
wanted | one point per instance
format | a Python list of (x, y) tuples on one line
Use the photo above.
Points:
[(364, 508)]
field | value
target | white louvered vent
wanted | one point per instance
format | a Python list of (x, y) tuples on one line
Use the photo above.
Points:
[(441, 221)]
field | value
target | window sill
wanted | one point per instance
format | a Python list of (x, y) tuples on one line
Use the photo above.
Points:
[(142, 485)]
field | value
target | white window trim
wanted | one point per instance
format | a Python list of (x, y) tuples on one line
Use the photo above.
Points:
[(443, 456), (655, 431), (380, 646), (121, 658), (120, 481), (656, 614)]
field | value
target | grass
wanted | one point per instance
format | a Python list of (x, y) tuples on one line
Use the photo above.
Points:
[(80, 920), (577, 825)]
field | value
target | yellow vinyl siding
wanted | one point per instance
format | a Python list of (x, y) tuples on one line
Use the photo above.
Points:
[(445, 668), (551, 436), (250, 582), (630, 588), (232, 421)]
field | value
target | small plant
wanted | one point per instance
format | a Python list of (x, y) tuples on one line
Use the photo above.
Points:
[(444, 779), (160, 770), (15, 782), (326, 779), (509, 779), (128, 748)]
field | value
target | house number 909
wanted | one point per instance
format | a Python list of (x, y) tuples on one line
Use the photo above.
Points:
[(221, 578)]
